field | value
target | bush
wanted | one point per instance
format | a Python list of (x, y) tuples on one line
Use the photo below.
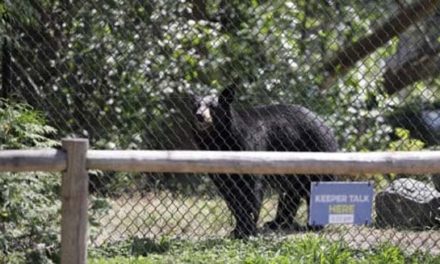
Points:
[(29, 203)]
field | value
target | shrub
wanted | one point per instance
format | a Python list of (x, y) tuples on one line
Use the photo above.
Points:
[(28, 201)]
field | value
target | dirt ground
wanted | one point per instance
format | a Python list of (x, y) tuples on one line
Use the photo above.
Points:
[(198, 218)]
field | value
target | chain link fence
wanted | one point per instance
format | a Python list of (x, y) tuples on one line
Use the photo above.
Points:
[(234, 75)]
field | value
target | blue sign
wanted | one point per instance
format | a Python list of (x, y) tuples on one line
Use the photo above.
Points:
[(341, 203)]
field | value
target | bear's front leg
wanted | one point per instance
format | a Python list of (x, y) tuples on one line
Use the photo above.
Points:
[(243, 195)]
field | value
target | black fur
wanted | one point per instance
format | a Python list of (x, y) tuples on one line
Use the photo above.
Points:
[(264, 128)]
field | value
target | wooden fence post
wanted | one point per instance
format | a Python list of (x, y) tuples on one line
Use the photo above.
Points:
[(74, 195)]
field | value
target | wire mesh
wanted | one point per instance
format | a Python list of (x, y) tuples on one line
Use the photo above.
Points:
[(235, 75)]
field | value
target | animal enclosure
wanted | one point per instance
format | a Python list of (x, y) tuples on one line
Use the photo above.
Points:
[(209, 119), (76, 159)]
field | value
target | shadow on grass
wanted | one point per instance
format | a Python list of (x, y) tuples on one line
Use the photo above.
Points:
[(145, 246)]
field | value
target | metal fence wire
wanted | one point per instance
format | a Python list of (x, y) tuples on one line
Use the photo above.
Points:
[(235, 75)]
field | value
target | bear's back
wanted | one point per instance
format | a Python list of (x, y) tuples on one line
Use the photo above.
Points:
[(282, 128)]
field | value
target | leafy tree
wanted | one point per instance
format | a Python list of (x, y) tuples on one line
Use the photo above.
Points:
[(117, 71), (29, 202)]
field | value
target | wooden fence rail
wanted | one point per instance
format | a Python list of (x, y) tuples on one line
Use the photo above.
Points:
[(419, 162), (75, 159), (32, 160), (416, 162)]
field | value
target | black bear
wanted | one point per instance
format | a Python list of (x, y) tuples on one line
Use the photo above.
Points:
[(263, 128)]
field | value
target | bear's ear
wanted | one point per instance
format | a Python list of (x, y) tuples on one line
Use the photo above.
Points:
[(227, 95)]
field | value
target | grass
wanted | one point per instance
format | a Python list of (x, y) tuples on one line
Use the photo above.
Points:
[(129, 229), (308, 249)]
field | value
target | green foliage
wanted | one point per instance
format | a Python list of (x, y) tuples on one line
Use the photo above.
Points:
[(309, 249), (405, 142), (387, 254), (21, 126), (28, 201), (115, 70), (29, 214), (124, 68)]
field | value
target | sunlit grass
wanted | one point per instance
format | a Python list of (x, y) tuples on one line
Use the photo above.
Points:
[(309, 249)]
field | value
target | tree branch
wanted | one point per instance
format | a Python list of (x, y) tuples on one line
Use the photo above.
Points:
[(422, 67), (6, 70), (347, 57)]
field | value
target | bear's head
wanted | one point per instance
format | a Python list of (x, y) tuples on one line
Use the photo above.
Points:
[(202, 111), (209, 109)]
